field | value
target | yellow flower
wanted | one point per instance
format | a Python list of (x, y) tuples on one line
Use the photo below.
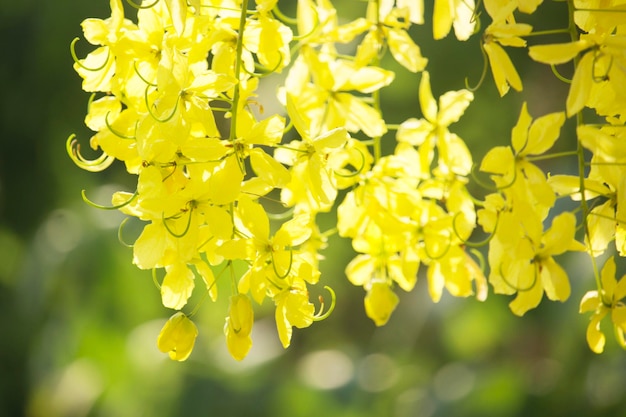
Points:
[(598, 78), (607, 179), (177, 337), (312, 183), (238, 326), (324, 85), (522, 261), (432, 131), (99, 67), (390, 24), (513, 172), (607, 300), (293, 309), (503, 70), (380, 302)]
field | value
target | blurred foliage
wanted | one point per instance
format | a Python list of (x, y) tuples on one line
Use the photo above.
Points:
[(78, 321)]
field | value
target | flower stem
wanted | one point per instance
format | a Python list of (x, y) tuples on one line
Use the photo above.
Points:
[(238, 64)]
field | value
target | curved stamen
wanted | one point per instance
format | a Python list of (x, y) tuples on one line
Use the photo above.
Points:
[(118, 134), (513, 287), (94, 165), (358, 171), (440, 256), (134, 5), (490, 187), (264, 71), (596, 58), (284, 18), (288, 127), (479, 243), (480, 182), (168, 118), (318, 23), (141, 76), (175, 166), (558, 75), (80, 64), (119, 233), (483, 73), (288, 268), (155, 279), (333, 301), (171, 232), (115, 207)]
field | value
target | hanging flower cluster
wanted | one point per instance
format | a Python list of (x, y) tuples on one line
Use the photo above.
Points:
[(174, 97)]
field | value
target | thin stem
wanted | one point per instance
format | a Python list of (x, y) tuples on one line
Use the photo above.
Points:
[(376, 93), (547, 32), (207, 292), (551, 156), (581, 156), (238, 64), (558, 75)]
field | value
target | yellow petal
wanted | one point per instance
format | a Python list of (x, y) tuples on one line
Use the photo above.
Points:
[(178, 12), (266, 168), (177, 286), (238, 326), (554, 280), (504, 73), (519, 134), (380, 302), (526, 300), (560, 237), (608, 277), (590, 302), (360, 115), (442, 18), (405, 51), (452, 105), (254, 218), (499, 160), (557, 53), (601, 227), (177, 337), (580, 89), (225, 182), (149, 248), (465, 19), (595, 337), (368, 79), (543, 133), (427, 101), (361, 269)]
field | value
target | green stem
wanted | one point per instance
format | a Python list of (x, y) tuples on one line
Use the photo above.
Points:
[(548, 32), (376, 94), (573, 30), (238, 64), (551, 156)]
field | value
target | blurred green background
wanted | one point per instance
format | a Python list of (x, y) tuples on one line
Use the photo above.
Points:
[(78, 322)]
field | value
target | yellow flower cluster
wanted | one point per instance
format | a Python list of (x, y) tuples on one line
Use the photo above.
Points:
[(175, 99)]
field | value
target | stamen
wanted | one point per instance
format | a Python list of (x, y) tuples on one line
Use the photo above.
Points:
[(80, 64), (94, 165)]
